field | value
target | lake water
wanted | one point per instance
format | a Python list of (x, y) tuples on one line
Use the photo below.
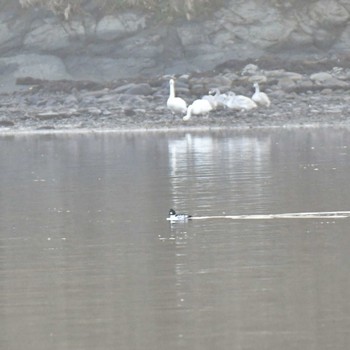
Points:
[(89, 261)]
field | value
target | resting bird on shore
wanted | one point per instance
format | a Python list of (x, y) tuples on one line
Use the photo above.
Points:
[(218, 96), (213, 98), (240, 102), (175, 104), (198, 107), (260, 98)]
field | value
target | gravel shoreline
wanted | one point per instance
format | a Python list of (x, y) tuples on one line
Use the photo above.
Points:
[(297, 100)]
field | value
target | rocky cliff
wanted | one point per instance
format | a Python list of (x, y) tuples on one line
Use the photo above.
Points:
[(91, 45)]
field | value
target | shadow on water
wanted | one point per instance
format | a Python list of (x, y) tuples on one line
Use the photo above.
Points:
[(89, 261)]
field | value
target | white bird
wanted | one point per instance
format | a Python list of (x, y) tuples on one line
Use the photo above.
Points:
[(175, 104), (260, 98), (240, 102), (219, 97), (211, 99), (198, 107)]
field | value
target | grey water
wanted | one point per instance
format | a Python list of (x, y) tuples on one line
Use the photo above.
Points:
[(89, 261)]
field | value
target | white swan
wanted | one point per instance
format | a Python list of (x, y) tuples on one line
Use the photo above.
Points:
[(211, 99), (218, 96), (260, 98), (175, 104), (198, 107), (240, 102)]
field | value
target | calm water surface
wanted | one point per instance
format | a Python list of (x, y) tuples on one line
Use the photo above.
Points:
[(88, 260)]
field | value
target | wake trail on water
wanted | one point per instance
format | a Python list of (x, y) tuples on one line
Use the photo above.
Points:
[(311, 215)]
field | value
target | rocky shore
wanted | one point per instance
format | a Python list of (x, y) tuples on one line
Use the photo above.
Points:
[(87, 39), (302, 95), (81, 65)]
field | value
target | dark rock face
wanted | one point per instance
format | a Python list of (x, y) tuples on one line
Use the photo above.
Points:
[(36, 43)]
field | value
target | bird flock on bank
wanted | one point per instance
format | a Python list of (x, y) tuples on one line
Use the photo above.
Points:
[(215, 100)]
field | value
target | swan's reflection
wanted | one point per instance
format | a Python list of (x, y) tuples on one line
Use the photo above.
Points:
[(205, 169), (209, 174)]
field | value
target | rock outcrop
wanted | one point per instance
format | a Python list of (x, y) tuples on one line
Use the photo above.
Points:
[(88, 45)]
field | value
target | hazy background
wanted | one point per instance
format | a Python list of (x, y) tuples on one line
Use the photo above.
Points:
[(110, 39)]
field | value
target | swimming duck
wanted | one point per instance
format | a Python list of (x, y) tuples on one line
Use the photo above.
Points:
[(175, 104), (198, 107), (259, 97), (240, 102), (178, 217)]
